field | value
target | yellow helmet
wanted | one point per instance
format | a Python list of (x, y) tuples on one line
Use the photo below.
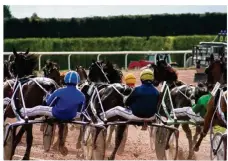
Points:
[(130, 79), (147, 74)]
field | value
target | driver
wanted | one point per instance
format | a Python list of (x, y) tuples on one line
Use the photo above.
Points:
[(67, 101), (142, 102)]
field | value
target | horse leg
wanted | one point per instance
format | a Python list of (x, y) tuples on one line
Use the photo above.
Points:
[(78, 144), (29, 140), (198, 130), (170, 134), (63, 130), (188, 133), (119, 136), (42, 127), (206, 126), (111, 129), (56, 144), (9, 151), (99, 138), (123, 142)]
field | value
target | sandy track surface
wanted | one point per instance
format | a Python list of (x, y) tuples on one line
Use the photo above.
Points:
[(137, 146)]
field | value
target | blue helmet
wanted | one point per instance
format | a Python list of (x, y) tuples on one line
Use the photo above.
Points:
[(72, 78)]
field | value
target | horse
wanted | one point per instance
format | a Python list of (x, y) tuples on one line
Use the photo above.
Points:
[(217, 71), (23, 67), (82, 73), (214, 102), (51, 70), (8, 80), (104, 72), (7, 73), (181, 95), (113, 75), (110, 96)]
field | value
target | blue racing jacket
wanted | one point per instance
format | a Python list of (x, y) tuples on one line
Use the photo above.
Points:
[(70, 101), (143, 101)]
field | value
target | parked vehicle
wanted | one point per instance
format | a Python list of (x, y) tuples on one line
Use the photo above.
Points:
[(150, 59), (201, 54)]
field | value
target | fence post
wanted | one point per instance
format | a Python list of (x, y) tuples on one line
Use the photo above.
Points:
[(69, 62), (126, 61), (40, 62), (185, 54)]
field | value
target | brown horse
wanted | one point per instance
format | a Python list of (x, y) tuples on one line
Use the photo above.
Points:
[(23, 67), (211, 109), (7, 73), (181, 95), (217, 71), (51, 70)]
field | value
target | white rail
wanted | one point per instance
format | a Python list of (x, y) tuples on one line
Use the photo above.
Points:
[(126, 53)]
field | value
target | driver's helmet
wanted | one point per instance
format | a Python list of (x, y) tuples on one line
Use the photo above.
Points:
[(72, 78), (147, 75), (130, 79)]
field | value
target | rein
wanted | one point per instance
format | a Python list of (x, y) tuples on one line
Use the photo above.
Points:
[(103, 72), (188, 98)]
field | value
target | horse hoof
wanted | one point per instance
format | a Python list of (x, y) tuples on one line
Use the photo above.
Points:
[(167, 147), (94, 147), (196, 148), (110, 158), (55, 147), (25, 158), (120, 152), (63, 150), (78, 146)]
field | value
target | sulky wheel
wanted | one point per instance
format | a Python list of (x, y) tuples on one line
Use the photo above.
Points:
[(166, 147), (8, 142), (160, 143), (171, 150), (221, 153), (48, 136)]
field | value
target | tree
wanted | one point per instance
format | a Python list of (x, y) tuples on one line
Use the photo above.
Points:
[(7, 12), (34, 16)]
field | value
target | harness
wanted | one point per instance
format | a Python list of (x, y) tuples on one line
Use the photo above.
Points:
[(102, 72), (218, 110), (95, 92), (185, 93), (20, 83)]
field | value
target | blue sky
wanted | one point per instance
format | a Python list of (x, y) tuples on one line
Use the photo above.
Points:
[(21, 11)]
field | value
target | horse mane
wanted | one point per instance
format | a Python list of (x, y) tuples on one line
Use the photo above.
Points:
[(113, 74)]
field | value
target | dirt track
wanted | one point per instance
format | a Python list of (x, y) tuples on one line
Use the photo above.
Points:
[(137, 147)]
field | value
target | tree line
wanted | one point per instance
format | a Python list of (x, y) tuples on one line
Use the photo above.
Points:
[(116, 26)]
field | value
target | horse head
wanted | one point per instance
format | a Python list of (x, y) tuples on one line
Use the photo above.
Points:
[(82, 73), (217, 71), (164, 72), (51, 70), (24, 63), (96, 72), (114, 75)]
